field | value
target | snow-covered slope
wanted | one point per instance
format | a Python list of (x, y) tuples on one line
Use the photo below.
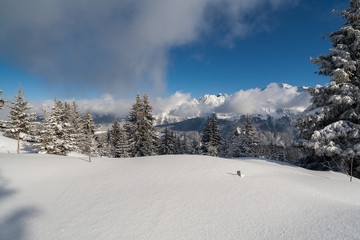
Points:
[(9, 145), (172, 197)]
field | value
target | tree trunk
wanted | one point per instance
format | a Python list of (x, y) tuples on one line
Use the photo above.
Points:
[(351, 169), (18, 149), (89, 156)]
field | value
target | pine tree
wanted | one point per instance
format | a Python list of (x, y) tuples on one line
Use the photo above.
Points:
[(20, 120), (132, 125), (215, 136), (120, 147), (185, 145), (47, 137), (140, 128), (102, 146), (206, 135), (236, 150), (167, 143), (244, 141), (195, 147), (54, 138), (329, 127), (150, 135), (75, 126), (249, 138), (211, 138), (225, 149), (89, 127)]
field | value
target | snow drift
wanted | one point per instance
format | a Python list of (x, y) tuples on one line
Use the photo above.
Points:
[(172, 197)]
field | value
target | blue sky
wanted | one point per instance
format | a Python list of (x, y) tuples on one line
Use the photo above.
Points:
[(189, 47)]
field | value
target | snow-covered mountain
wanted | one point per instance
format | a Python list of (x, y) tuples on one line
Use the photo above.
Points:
[(276, 100), (271, 110)]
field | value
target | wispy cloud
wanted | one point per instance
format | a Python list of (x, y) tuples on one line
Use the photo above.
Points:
[(117, 45), (269, 100), (182, 105)]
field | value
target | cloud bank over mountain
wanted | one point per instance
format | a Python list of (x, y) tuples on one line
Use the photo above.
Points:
[(114, 45), (179, 106)]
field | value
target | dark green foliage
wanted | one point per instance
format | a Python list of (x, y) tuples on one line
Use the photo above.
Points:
[(119, 142), (140, 128), (211, 137), (330, 127), (20, 120)]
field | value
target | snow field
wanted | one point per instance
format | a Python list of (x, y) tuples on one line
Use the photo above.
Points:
[(172, 197)]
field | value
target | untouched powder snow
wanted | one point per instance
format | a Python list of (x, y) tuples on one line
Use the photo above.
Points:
[(172, 197)]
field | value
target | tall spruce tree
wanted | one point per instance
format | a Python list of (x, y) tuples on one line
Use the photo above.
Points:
[(185, 145), (75, 126), (140, 128), (120, 146), (211, 138), (167, 143), (195, 147), (20, 120), (206, 135), (330, 127), (236, 148), (89, 145), (150, 135), (102, 146), (132, 126), (244, 141), (54, 138), (225, 149), (249, 138)]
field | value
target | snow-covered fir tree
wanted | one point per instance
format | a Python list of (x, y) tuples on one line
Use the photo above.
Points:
[(330, 127), (69, 132), (54, 138), (103, 148), (20, 120), (89, 145), (120, 146), (178, 144), (185, 145), (150, 134), (211, 138), (132, 126), (225, 148), (167, 142), (205, 138), (236, 148), (75, 125), (195, 147), (140, 128), (245, 141), (272, 151)]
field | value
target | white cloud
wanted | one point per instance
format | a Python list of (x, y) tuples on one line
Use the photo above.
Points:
[(268, 100), (105, 105), (166, 105), (181, 106), (116, 45)]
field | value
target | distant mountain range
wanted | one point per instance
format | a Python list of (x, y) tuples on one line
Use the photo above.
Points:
[(276, 100), (271, 110)]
